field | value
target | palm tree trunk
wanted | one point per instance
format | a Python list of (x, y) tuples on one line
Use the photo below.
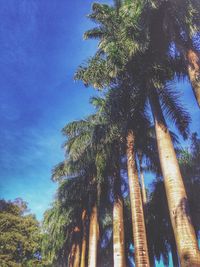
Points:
[(144, 192), (74, 257), (118, 234), (93, 238), (77, 256), (118, 225), (84, 240), (194, 72), (139, 230), (71, 255), (184, 233)]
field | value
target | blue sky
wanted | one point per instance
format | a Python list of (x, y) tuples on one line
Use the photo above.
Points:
[(41, 46)]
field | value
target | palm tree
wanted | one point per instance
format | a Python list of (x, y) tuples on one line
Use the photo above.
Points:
[(118, 108), (176, 195)]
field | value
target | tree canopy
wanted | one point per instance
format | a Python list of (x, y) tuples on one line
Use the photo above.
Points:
[(20, 235)]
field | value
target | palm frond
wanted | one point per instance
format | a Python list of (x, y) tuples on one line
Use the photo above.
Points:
[(174, 110), (95, 33), (64, 170), (74, 128)]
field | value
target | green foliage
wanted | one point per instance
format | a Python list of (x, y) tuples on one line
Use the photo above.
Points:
[(53, 242), (19, 236)]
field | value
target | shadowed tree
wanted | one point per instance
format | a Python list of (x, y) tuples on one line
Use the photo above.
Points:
[(172, 27)]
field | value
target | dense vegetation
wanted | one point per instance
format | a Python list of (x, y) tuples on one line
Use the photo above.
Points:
[(103, 214), (20, 236)]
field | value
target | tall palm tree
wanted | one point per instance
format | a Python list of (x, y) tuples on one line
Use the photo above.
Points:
[(118, 108), (175, 190)]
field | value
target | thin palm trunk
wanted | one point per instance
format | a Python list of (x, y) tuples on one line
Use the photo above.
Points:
[(77, 256), (71, 255), (194, 72), (139, 230), (84, 240), (144, 192), (93, 238), (118, 226), (74, 257), (184, 233)]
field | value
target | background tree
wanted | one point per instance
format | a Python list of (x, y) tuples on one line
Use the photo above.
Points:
[(20, 236)]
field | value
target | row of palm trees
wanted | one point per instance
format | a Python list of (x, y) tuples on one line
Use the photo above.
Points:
[(66, 230), (143, 46)]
